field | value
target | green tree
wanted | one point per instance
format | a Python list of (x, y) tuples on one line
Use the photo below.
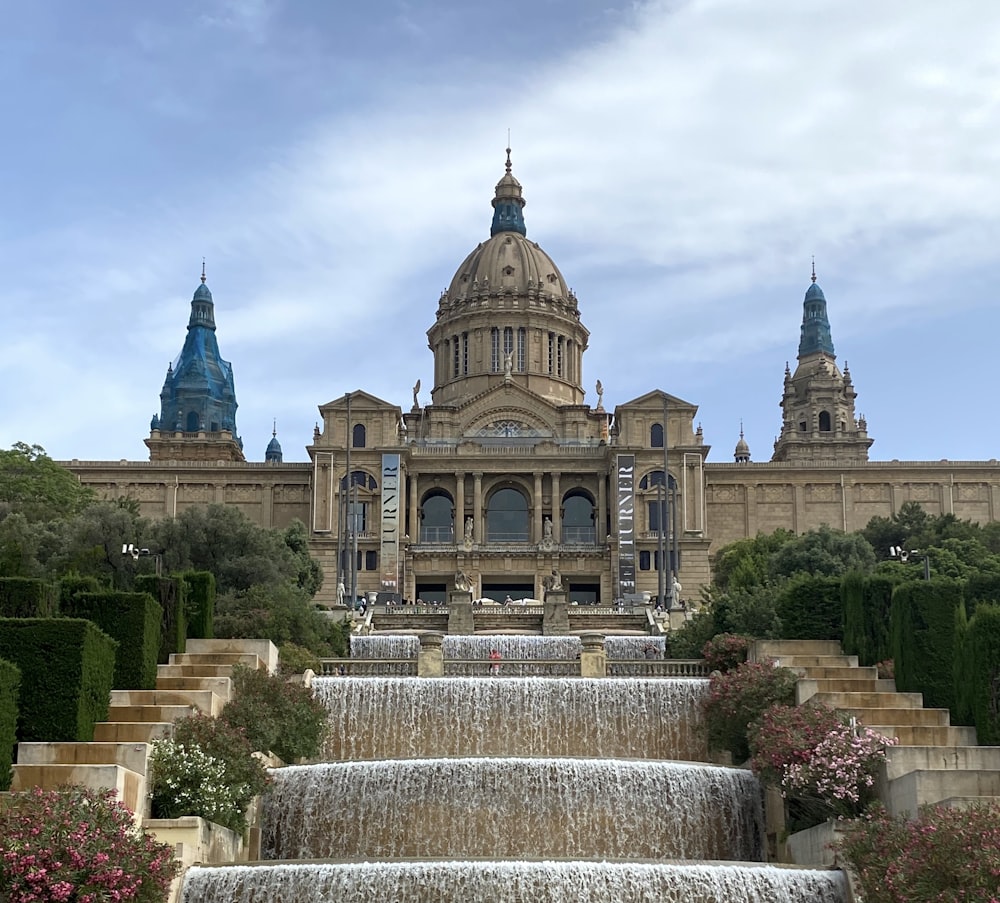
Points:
[(34, 485), (823, 552)]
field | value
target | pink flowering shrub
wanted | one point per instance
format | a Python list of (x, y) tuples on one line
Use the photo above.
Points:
[(886, 669), (81, 846), (818, 758), (946, 854), (725, 651), (738, 697)]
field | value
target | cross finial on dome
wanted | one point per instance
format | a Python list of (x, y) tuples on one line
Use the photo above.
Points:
[(508, 203), (274, 429), (814, 268), (202, 270)]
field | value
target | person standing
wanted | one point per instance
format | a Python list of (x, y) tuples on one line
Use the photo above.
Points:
[(495, 658)]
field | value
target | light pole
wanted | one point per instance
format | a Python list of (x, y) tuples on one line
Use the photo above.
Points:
[(898, 553), (136, 553)]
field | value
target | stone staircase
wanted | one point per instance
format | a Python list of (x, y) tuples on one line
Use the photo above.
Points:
[(196, 681), (934, 761)]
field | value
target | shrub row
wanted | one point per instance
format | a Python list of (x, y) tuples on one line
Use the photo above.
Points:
[(10, 681), (66, 668), (26, 597)]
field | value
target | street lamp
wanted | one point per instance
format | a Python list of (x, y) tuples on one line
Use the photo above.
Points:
[(898, 553), (136, 553)]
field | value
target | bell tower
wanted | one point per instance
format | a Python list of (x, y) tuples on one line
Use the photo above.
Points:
[(818, 420)]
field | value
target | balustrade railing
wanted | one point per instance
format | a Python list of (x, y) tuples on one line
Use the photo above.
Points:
[(512, 667)]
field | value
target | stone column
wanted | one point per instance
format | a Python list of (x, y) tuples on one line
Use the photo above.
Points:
[(460, 621), (537, 507), (593, 659), (430, 658), (477, 502), (556, 508), (459, 506), (414, 510), (602, 508)]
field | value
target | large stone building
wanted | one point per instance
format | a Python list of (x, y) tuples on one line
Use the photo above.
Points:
[(507, 474)]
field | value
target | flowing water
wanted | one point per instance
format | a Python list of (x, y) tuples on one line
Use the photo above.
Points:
[(513, 790)]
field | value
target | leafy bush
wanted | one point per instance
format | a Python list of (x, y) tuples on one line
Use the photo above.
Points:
[(741, 696), (276, 716), (810, 609), (25, 597), (78, 845), (725, 651), (818, 759), (982, 645), (947, 854), (691, 638), (199, 603), (207, 769), (295, 659), (10, 681)]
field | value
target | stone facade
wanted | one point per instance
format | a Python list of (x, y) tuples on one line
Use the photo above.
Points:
[(508, 476)]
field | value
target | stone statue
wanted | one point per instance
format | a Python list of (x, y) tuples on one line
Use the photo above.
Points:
[(600, 396), (547, 529), (469, 527), (553, 583), (508, 364), (416, 389), (462, 583), (341, 592)]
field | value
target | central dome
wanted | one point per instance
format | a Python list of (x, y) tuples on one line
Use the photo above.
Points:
[(508, 263)]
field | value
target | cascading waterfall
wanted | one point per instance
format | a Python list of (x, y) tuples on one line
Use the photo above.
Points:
[(513, 882), (385, 646), (407, 718), (514, 808), (513, 790), (634, 648), (513, 650)]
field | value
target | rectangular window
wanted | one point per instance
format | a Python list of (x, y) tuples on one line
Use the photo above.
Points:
[(552, 351), (371, 560), (508, 340), (522, 357), (644, 561), (454, 366), (465, 353), (655, 508), (357, 516), (559, 356), (495, 350)]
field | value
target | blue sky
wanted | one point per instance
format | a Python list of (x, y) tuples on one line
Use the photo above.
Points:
[(334, 163)]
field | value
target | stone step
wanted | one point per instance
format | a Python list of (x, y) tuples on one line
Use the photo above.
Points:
[(899, 716), (150, 712), (781, 648), (922, 735), (220, 686), (817, 661), (907, 793), (130, 785), (901, 760), (822, 672), (129, 755), (203, 700), (250, 659), (132, 731), (192, 671), (870, 700), (852, 685), (265, 650)]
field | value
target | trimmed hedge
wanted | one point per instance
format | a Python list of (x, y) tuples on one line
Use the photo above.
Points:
[(169, 592), (133, 620), (10, 681), (66, 666), (810, 609), (981, 588), (72, 585), (199, 603), (26, 597), (867, 605), (923, 639), (983, 643)]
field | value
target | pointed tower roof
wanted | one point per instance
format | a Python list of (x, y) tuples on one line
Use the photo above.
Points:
[(742, 453), (815, 337), (273, 453), (508, 204)]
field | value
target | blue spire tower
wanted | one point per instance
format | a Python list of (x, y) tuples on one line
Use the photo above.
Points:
[(818, 421), (197, 419)]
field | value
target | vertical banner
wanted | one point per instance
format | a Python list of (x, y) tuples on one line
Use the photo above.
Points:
[(389, 553), (626, 524)]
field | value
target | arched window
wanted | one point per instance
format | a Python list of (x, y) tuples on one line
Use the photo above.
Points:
[(507, 517), (358, 436), (360, 479), (656, 435), (824, 422), (437, 519), (192, 422), (655, 478), (578, 518)]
